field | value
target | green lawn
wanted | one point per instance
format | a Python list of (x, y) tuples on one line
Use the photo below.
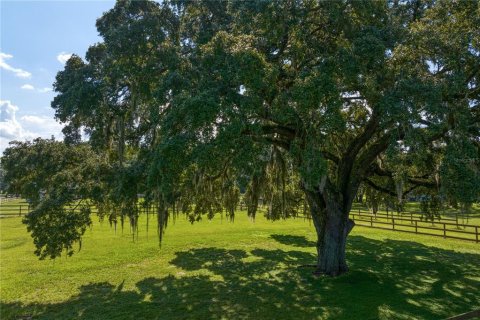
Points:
[(242, 270)]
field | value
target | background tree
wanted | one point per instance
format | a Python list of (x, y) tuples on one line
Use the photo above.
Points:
[(291, 101), (61, 182)]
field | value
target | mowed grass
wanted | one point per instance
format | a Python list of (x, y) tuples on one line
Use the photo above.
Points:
[(242, 270)]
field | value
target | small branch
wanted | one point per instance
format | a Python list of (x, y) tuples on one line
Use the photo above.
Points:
[(330, 156)]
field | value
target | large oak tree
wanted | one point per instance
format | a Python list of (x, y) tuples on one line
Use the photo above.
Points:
[(199, 103)]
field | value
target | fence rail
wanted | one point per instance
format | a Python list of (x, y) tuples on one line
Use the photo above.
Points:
[(14, 209), (470, 232), (411, 218), (411, 214)]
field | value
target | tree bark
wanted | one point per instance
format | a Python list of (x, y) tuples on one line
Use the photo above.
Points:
[(330, 218)]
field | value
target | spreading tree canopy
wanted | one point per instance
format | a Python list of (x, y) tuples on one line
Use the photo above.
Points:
[(198, 104)]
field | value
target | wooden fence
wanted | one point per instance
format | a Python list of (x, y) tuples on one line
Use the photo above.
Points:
[(417, 226), (14, 209), (413, 215)]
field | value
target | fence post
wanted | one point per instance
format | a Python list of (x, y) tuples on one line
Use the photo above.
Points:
[(393, 221), (20, 213), (416, 226), (411, 217), (371, 221), (476, 234), (444, 230)]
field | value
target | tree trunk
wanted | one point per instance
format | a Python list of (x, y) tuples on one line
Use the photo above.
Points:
[(330, 218)]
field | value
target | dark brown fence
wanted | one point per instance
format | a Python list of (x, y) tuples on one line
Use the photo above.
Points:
[(23, 208), (414, 215), (14, 209), (412, 225)]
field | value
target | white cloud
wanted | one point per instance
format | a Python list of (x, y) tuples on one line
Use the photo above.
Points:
[(33, 119), (27, 127), (30, 87), (9, 126), (27, 87), (63, 57), (17, 71)]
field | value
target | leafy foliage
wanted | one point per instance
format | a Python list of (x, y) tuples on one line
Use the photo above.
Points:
[(60, 182)]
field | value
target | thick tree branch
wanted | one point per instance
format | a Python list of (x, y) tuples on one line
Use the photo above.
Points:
[(417, 181), (284, 131), (367, 157), (379, 188), (361, 140), (348, 159)]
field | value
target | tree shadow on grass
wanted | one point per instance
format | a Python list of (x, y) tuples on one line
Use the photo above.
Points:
[(388, 280), (296, 241)]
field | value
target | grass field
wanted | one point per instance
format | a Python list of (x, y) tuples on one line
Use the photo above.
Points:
[(242, 270)]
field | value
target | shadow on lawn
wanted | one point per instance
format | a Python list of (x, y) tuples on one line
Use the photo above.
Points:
[(388, 279), (296, 241)]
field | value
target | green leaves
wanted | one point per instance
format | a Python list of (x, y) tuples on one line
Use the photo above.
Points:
[(460, 172), (55, 228), (46, 167)]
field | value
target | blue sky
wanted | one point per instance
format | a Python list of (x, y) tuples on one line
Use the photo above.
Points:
[(36, 38)]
